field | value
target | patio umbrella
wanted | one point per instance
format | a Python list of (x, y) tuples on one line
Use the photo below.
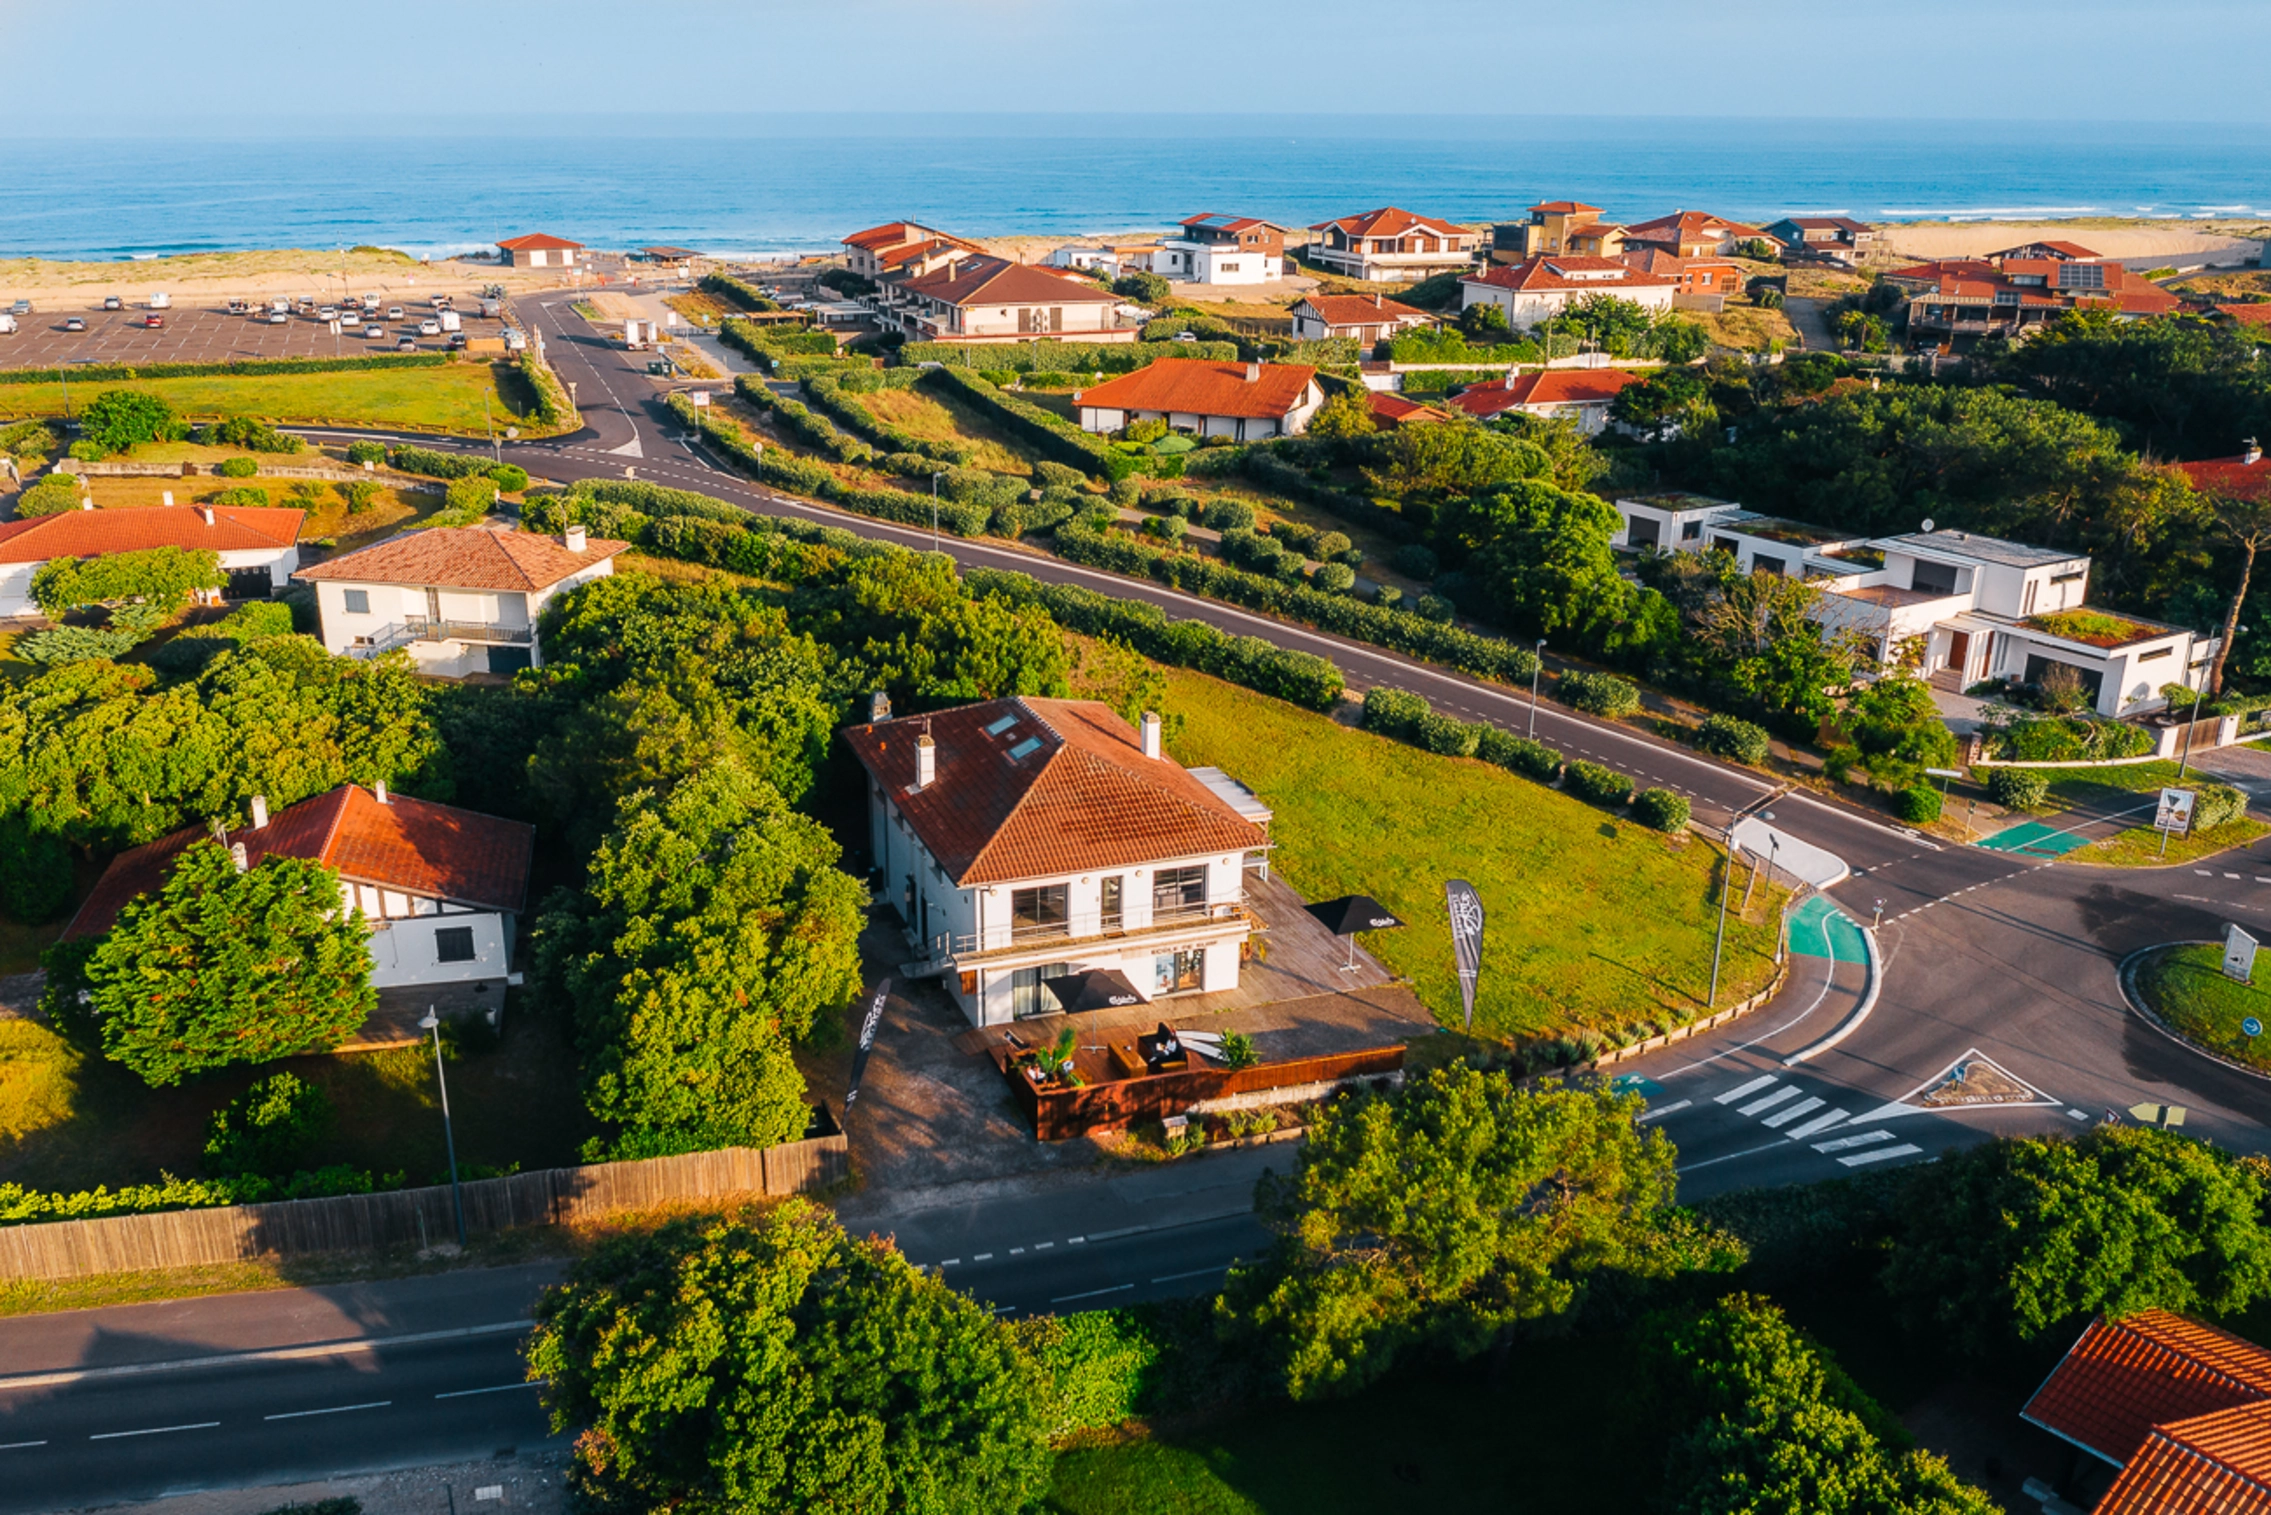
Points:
[(1350, 914), (1097, 989)]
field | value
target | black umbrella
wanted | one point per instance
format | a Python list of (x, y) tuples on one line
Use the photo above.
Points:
[(1352, 913), (1097, 989)]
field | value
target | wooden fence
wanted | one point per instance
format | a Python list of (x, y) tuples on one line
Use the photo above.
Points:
[(548, 1197), (1060, 1114)]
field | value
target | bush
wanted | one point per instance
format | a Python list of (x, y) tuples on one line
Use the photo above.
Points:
[(1144, 288), (35, 872), (1229, 515), (1596, 783), (1331, 546), (118, 419), (51, 495), (243, 497), (360, 494), (1049, 474), (1387, 596), (1334, 578), (237, 468), (1394, 712), (1660, 810), (1601, 694), (1730, 737), (73, 644), (269, 1129), (511, 477), (1917, 804), (1166, 528), (1519, 754), (1433, 607), (249, 432), (2217, 805), (1415, 562), (1044, 429), (2017, 788), (359, 453), (437, 465), (1448, 736)]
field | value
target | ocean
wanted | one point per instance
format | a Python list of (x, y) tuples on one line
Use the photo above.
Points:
[(772, 185)]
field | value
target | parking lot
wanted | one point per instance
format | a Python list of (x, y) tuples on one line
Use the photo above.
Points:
[(210, 334)]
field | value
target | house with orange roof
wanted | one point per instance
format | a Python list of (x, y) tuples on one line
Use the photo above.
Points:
[(1389, 243), (2020, 288), (459, 599), (1219, 249), (903, 248), (1581, 395), (1701, 277), (540, 250), (2245, 477), (1540, 288), (983, 298), (440, 888), (1391, 410), (1556, 226), (258, 548), (1690, 234), (2252, 314), (2180, 1409), (1364, 319), (1025, 839), (1207, 398)]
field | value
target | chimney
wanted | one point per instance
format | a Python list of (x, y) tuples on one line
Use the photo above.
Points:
[(878, 706), (378, 791), (2250, 452), (1253, 373), (166, 497), (1151, 734), (206, 511), (237, 856), (573, 539), (87, 502), (926, 762), (260, 812)]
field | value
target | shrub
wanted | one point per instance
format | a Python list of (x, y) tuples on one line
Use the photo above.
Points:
[(1229, 515), (359, 453), (1043, 429), (1433, 607), (73, 644), (1660, 809), (52, 495), (1387, 596), (1917, 804), (1330, 545), (1126, 493), (437, 465), (237, 468), (243, 497), (511, 477), (85, 451), (1295, 535), (248, 432), (2017, 788), (118, 419), (1602, 694), (1415, 562), (1238, 1051), (2217, 805), (1050, 474), (1448, 736), (1519, 754), (1144, 288), (1394, 712), (1334, 578), (360, 494), (269, 1129), (1596, 783), (1731, 737), (1166, 528), (35, 872)]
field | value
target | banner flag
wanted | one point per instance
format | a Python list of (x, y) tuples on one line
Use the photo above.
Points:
[(1466, 939), (867, 1039)]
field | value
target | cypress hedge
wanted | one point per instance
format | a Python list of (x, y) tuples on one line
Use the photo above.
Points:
[(806, 477), (1051, 433)]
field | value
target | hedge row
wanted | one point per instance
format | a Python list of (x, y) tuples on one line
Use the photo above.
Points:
[(799, 421), (1265, 466), (19, 1205), (1045, 429), (1399, 631), (769, 344), (553, 407), (1407, 717), (806, 477), (427, 463), (837, 395), (249, 368), (727, 287), (1061, 357)]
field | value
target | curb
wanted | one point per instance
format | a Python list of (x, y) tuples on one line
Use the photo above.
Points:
[(2127, 973), (1860, 1013)]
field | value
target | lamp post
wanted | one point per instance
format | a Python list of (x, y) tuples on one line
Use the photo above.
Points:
[(496, 452), (1536, 668), (1773, 855), (934, 478), (433, 1023), (1719, 941)]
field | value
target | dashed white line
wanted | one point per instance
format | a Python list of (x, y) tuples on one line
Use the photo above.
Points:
[(498, 1388), (1193, 1273), (1066, 1299), (201, 1425), (1663, 1110), (983, 1257), (18, 1446), (376, 1404)]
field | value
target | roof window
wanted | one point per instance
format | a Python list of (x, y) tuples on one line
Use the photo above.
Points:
[(1002, 725), (1026, 748)]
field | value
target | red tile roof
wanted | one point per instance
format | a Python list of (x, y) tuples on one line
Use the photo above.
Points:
[(1082, 797), (1683, 226), (1204, 387), (1543, 387), (987, 280), (1655, 260), (87, 533), (407, 845), (1228, 223), (1551, 271), (1591, 229), (1388, 221), (1393, 410), (2124, 1377), (1566, 208), (2074, 250), (2257, 313), (536, 241), (2217, 1464), (1360, 310), (465, 557), (892, 233), (2233, 478)]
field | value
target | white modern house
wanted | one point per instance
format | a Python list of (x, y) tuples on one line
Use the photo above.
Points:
[(1207, 398), (462, 599), (1025, 839), (441, 889), (258, 548), (1540, 288), (1976, 607), (1217, 249)]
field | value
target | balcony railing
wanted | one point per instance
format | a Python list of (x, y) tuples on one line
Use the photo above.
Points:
[(420, 628), (1025, 935)]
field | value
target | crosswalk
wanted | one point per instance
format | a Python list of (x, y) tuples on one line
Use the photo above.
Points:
[(1799, 1116)]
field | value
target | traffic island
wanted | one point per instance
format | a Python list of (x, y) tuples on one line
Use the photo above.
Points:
[(2182, 989)]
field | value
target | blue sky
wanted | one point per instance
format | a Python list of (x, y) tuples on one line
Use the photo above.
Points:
[(281, 68)]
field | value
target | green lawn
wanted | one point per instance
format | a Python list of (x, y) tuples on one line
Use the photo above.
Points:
[(1594, 923), (448, 398), (931, 414), (2140, 846), (2187, 987)]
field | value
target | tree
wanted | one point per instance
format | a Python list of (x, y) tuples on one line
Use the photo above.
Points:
[(717, 928), (1448, 1215), (2248, 524), (118, 419), (1670, 402), (1544, 556), (1347, 414), (1863, 332), (906, 624), (221, 967), (1437, 461), (1899, 731), (163, 578), (1771, 650), (2181, 385), (2024, 1237), (1487, 319), (779, 1366), (50, 496), (1680, 341), (1142, 287), (270, 1129)]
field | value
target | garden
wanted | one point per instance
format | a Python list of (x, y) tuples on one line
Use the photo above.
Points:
[(2186, 986)]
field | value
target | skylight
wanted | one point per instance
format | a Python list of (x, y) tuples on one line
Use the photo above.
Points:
[(1030, 745), (1002, 725)]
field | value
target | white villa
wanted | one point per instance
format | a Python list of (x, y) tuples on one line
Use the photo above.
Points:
[(1389, 243), (461, 599), (258, 547), (1243, 401), (1982, 608), (1540, 288), (1026, 839)]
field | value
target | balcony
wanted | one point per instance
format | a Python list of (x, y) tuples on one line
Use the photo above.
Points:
[(420, 628), (962, 950)]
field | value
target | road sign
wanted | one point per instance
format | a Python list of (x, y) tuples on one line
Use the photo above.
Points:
[(2175, 812), (1945, 773), (2169, 1116), (2239, 955), (2251, 1027), (700, 399)]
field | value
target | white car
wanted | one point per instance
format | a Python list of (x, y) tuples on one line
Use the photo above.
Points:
[(374, 332), (429, 328), (394, 312), (278, 318)]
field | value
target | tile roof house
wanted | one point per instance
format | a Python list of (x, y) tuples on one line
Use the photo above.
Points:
[(1366, 319), (1581, 395), (1209, 398), (1556, 226), (2183, 1409), (1391, 410), (982, 298), (538, 250), (903, 247), (2246, 313), (1699, 275), (441, 888), (462, 599), (1828, 239), (1022, 839), (2246, 477), (1538, 289), (1389, 243), (1689, 234), (2007, 293), (1217, 249), (258, 548)]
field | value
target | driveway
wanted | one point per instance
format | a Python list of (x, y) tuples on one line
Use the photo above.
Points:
[(1811, 318)]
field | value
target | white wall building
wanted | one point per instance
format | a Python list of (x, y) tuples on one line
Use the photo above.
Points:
[(1025, 839), (460, 599), (1204, 397), (1389, 243), (1538, 289), (258, 548)]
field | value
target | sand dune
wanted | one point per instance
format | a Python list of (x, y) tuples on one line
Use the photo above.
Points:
[(1969, 239)]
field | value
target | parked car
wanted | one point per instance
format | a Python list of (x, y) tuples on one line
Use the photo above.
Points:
[(113, 302), (456, 340), (407, 344), (76, 323), (429, 328), (20, 308), (239, 308), (394, 312), (328, 313), (278, 318), (153, 320), (375, 333)]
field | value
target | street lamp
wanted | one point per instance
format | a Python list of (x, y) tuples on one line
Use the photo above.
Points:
[(1536, 668), (433, 1023), (1719, 942), (1773, 855), (934, 478)]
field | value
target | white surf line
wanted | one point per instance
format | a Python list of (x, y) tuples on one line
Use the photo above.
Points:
[(376, 1404)]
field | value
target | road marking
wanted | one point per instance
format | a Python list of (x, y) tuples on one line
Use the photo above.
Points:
[(1066, 1299), (202, 1425), (1730, 1157), (983, 1257), (2080, 1115), (376, 1404), (1843, 1142), (1818, 1123), (1756, 1084), (1017, 1251), (18, 1446), (1074, 1241), (1043, 1246), (1879, 1155), (951, 1262), (1779, 1096), (1194, 1273), (498, 1388), (271, 1354), (2204, 873), (2231, 875), (1781, 1118), (1663, 1110)]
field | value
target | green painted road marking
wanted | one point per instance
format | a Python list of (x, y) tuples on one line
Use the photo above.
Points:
[(1819, 929), (2035, 839), (1633, 1083)]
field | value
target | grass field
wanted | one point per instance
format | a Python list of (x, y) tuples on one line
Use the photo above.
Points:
[(2188, 989), (2141, 847), (937, 419), (1595, 923), (447, 398)]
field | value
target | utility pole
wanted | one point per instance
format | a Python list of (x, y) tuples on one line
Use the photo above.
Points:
[(1537, 667), (1719, 941)]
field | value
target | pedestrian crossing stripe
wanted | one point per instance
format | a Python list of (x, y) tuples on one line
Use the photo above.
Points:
[(1775, 1105)]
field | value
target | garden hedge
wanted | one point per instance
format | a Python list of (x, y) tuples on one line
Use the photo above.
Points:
[(1661, 809), (1917, 804), (1061, 357), (726, 287), (248, 368), (1045, 429), (1732, 737), (1603, 694), (2017, 788), (1595, 783)]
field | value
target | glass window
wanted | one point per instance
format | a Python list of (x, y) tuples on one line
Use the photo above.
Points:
[(454, 943), (358, 602), (1173, 972), (1114, 888), (1027, 997), (1034, 912), (1179, 891)]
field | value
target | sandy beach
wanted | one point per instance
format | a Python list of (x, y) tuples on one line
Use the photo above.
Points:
[(208, 277), (2122, 239)]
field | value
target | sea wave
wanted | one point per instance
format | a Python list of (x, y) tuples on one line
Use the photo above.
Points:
[(1993, 212)]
